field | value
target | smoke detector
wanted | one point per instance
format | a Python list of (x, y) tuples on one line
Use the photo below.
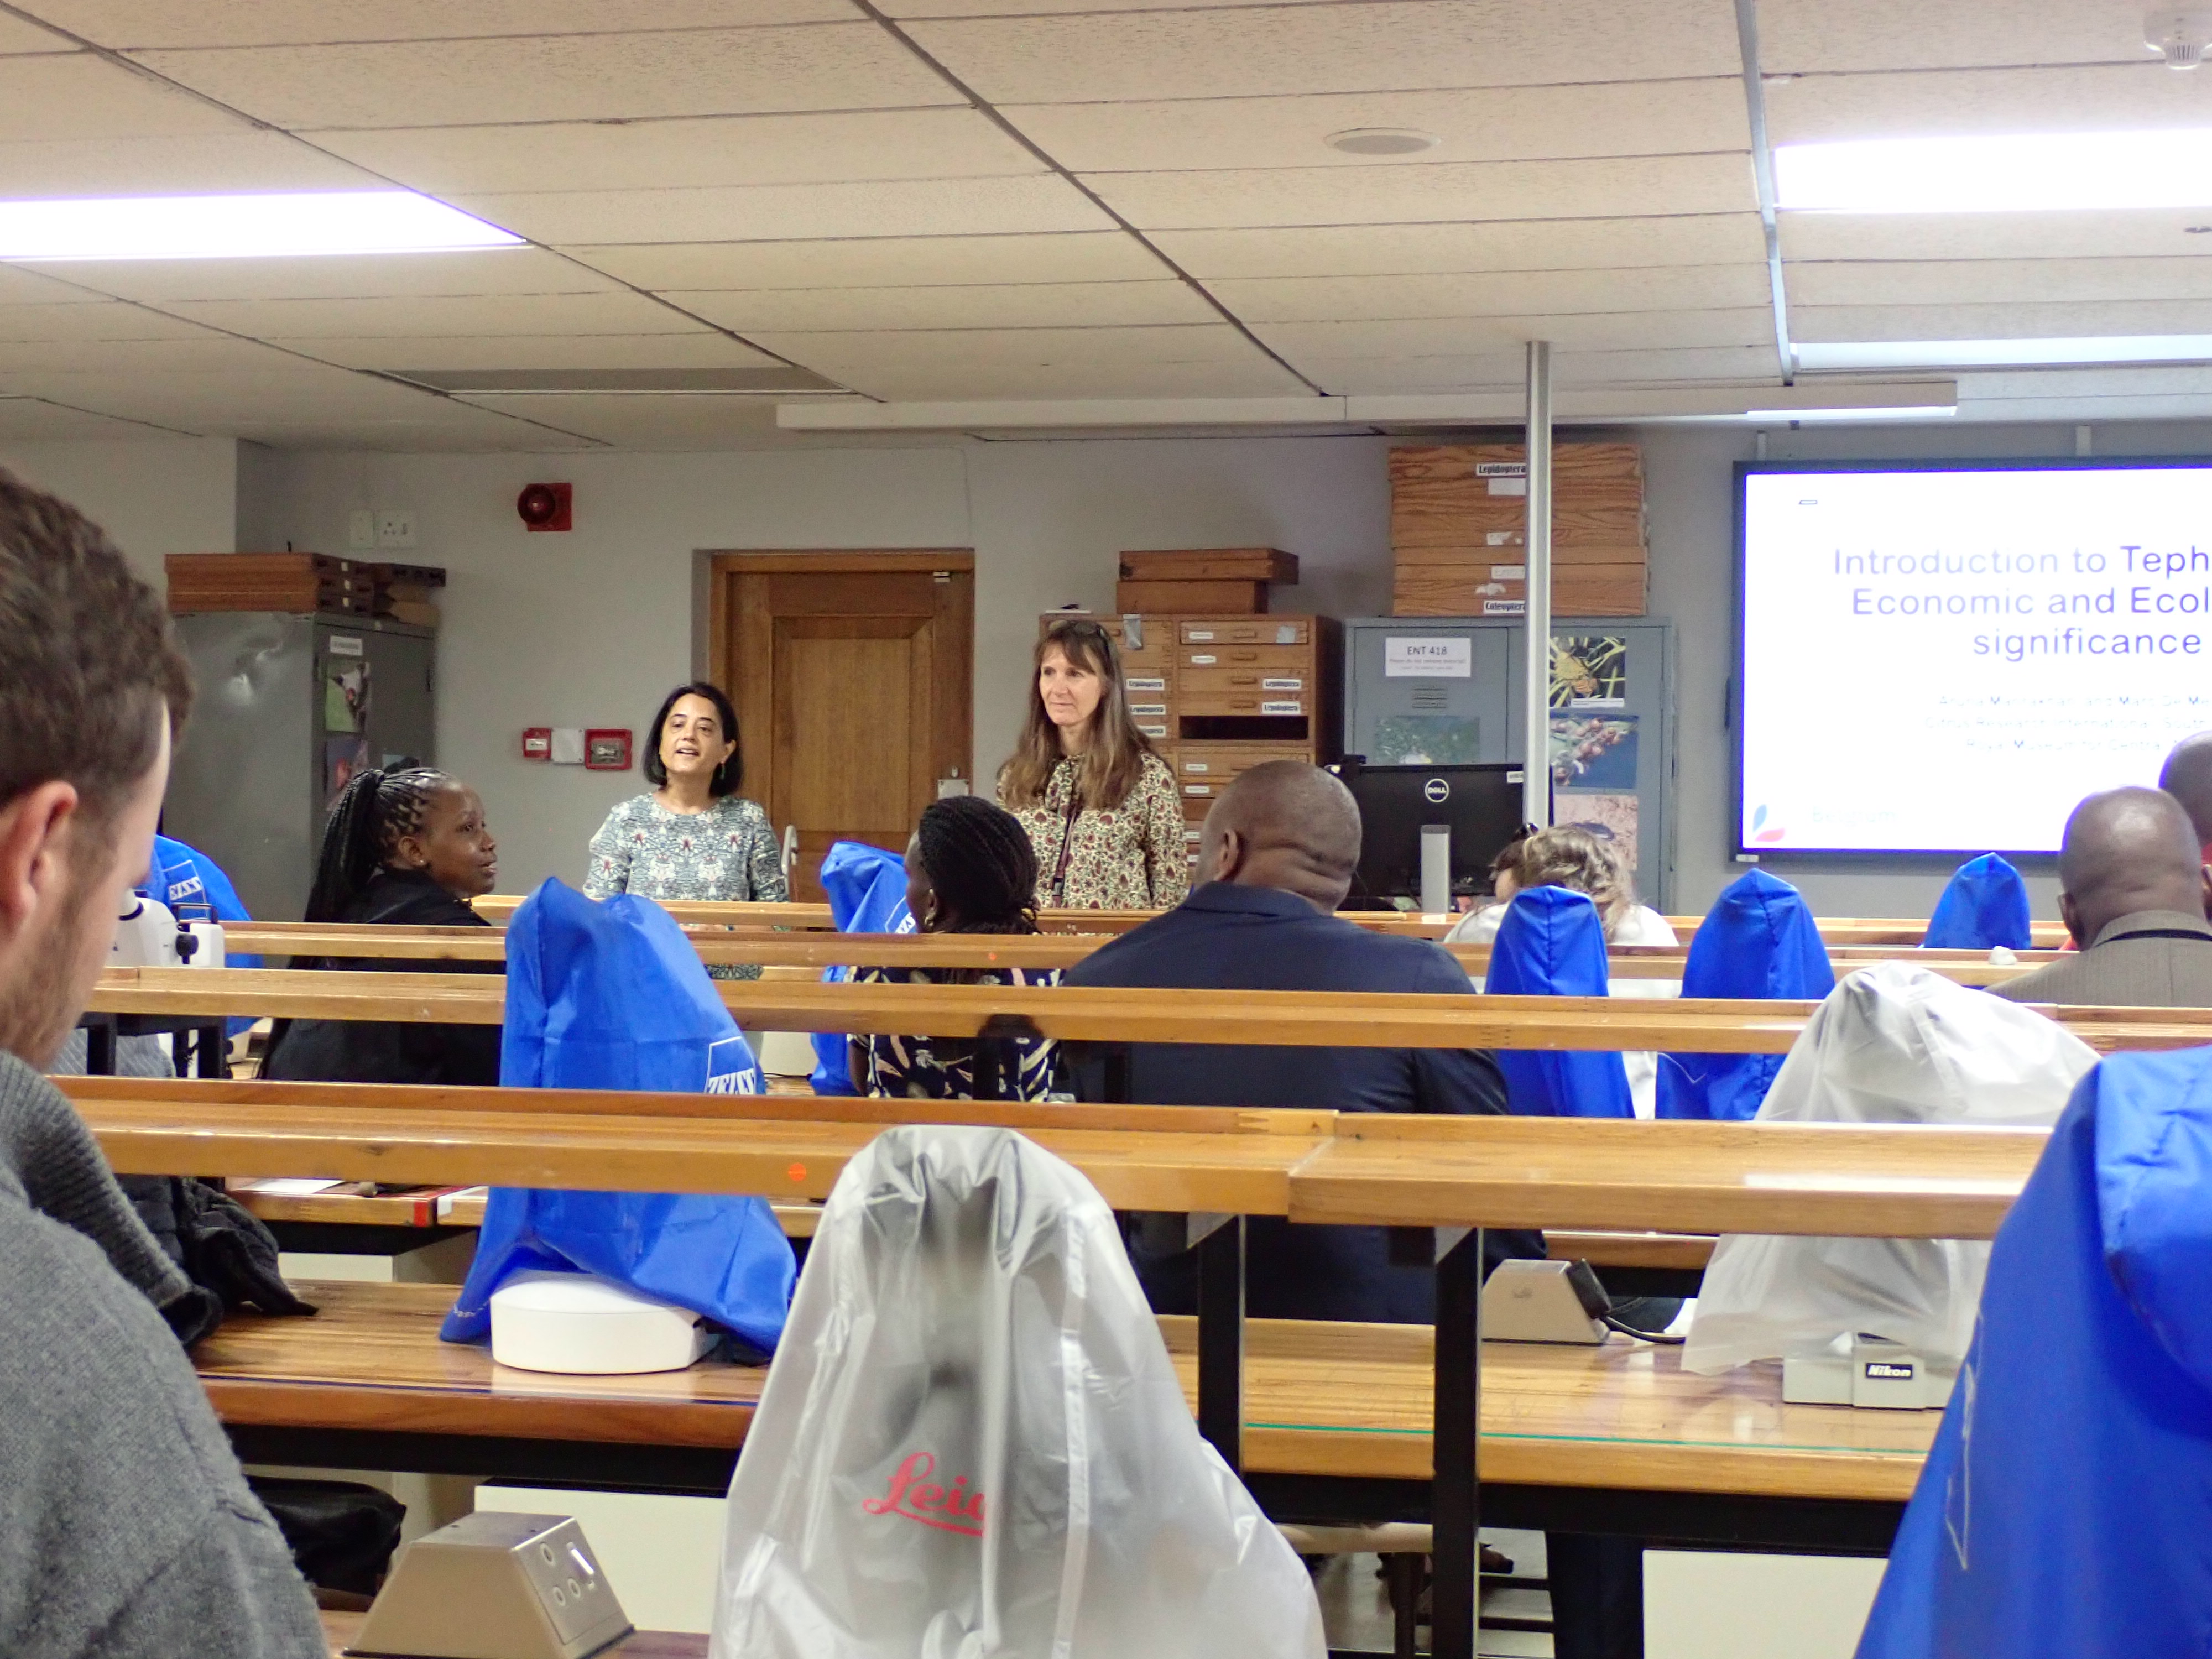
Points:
[(2181, 38), (1380, 140)]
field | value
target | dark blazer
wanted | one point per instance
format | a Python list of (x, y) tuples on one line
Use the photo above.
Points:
[(2152, 959), (1260, 938), (380, 1051)]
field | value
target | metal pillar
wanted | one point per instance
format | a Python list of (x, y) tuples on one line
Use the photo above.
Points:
[(1536, 733), (1456, 1489)]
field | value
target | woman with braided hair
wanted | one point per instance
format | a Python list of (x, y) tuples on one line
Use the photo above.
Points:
[(406, 846), (969, 869)]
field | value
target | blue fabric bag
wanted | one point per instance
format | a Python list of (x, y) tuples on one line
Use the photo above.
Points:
[(866, 887), (188, 881), (1984, 905), (1759, 941), (1552, 945), (613, 996), (2064, 1508)]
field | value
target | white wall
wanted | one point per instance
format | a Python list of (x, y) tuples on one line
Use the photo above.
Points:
[(591, 627), (154, 496)]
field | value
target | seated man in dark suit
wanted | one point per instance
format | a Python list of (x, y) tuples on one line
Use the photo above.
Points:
[(1275, 858), (2187, 776), (2134, 892)]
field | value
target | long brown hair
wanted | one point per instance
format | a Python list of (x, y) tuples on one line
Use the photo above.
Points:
[(1115, 760)]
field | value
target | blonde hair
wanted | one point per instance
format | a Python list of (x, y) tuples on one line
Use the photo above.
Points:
[(1567, 855), (1113, 762)]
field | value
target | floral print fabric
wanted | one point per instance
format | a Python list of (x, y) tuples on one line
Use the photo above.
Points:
[(727, 853), (1133, 858)]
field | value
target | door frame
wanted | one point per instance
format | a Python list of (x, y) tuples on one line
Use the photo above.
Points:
[(724, 566)]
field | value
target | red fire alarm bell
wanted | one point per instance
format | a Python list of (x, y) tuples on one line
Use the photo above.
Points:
[(606, 750), (537, 743), (546, 506)]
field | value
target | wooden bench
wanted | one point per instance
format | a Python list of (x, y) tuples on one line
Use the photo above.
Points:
[(368, 1377), (1297, 1018)]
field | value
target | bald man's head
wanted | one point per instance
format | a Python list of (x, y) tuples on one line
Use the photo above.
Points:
[(2128, 851), (1287, 826), (2187, 776)]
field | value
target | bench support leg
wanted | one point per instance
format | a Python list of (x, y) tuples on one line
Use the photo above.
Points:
[(1221, 1339), (1456, 1492)]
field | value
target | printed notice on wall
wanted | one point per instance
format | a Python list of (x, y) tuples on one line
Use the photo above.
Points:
[(1412, 658)]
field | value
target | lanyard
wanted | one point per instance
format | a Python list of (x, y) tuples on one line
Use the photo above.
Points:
[(1067, 841)]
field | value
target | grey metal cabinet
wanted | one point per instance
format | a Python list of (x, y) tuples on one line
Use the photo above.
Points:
[(289, 707), (1440, 690)]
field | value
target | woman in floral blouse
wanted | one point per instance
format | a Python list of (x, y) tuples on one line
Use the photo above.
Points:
[(694, 837), (1100, 806)]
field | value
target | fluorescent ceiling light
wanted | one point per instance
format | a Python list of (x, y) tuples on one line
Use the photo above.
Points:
[(241, 226), (1894, 412), (2004, 353), (2033, 172)]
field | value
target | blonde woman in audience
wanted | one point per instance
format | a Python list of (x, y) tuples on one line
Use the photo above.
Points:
[(1568, 855), (1100, 807)]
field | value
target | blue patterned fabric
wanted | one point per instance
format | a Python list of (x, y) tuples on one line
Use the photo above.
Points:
[(866, 887)]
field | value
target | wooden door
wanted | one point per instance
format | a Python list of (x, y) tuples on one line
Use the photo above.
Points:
[(851, 672)]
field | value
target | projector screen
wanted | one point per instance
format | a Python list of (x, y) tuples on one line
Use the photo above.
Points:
[(1947, 659)]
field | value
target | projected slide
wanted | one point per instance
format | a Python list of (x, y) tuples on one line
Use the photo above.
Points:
[(1947, 661)]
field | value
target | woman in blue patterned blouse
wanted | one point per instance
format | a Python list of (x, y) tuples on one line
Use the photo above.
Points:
[(694, 837)]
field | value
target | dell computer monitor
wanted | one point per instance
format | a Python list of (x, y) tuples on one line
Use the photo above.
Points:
[(1481, 805)]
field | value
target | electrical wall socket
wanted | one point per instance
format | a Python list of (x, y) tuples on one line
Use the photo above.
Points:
[(360, 530), (394, 528)]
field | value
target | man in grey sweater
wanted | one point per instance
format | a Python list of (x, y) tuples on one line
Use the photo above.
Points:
[(130, 1532)]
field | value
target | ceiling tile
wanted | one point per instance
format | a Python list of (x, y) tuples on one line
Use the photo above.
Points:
[(1507, 244), (704, 350), (350, 276), (109, 320), (744, 149), (647, 422), (130, 23), (1970, 281), (561, 77), (1439, 337), (33, 419), (1818, 36), (917, 9), (1382, 45), (2089, 98), (1036, 305), (1504, 371), (1335, 299), (209, 165), (880, 262), (1256, 376), (2000, 321), (429, 316), (1445, 190), (831, 353), (1498, 124), (947, 207), (202, 353), (2141, 233), (79, 95), (21, 287), (18, 35)]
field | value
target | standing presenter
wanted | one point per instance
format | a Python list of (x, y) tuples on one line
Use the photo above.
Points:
[(1099, 805), (694, 837)]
